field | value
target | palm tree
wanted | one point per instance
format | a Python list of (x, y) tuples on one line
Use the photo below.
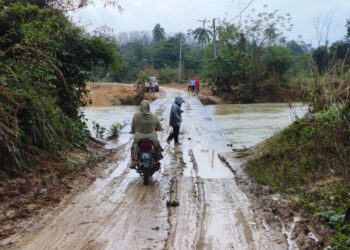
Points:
[(202, 35), (158, 33)]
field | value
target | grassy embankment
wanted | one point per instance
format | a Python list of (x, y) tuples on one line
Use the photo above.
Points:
[(310, 160)]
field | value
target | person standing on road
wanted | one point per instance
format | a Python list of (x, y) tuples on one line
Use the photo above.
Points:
[(150, 87), (196, 86), (153, 87), (192, 85), (189, 86), (175, 120)]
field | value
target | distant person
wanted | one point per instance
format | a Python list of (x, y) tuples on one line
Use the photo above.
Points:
[(153, 87), (196, 86), (175, 120), (192, 85), (189, 86), (145, 85)]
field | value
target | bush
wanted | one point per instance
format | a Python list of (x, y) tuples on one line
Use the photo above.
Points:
[(168, 75), (45, 61), (114, 131), (278, 60)]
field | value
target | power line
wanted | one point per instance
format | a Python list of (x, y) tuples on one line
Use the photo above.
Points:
[(244, 9), (180, 58), (203, 22)]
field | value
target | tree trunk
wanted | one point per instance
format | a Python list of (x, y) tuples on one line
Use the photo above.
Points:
[(347, 217)]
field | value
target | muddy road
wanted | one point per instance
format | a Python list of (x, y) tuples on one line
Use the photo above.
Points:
[(118, 212)]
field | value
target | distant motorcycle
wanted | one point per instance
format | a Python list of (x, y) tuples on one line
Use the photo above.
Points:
[(148, 160)]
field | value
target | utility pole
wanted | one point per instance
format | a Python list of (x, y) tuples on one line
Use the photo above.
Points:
[(152, 65), (214, 39), (180, 57), (203, 21), (215, 47)]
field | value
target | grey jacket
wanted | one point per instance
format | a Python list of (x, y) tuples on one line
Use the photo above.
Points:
[(175, 113)]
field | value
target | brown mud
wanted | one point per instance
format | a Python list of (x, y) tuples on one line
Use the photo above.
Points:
[(305, 230), (263, 93), (25, 199), (114, 94), (194, 202)]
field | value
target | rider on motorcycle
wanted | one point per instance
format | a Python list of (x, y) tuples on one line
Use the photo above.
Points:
[(145, 125)]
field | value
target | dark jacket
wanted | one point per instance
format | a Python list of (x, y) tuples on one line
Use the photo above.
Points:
[(175, 113)]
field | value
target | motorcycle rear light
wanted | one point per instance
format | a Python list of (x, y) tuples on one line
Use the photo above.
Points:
[(145, 144)]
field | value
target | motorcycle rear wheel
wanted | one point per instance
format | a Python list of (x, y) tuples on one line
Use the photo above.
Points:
[(146, 178)]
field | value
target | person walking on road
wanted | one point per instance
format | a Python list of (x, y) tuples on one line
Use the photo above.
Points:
[(175, 120)]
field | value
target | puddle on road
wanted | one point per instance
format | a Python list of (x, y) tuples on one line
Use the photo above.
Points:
[(209, 165), (245, 125)]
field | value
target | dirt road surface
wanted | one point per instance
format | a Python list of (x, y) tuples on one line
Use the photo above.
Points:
[(118, 212)]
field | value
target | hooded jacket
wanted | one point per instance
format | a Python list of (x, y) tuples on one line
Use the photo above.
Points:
[(175, 113), (145, 123)]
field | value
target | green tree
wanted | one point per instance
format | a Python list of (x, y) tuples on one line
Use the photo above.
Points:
[(347, 36), (167, 74), (158, 33), (134, 47), (166, 53), (45, 61), (202, 35), (295, 47), (232, 66), (278, 60), (321, 58)]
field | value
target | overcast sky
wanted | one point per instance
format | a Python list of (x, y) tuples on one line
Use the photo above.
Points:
[(181, 15)]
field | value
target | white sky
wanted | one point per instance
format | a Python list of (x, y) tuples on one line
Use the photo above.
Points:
[(181, 15)]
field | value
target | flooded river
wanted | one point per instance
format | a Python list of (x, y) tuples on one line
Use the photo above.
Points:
[(242, 124), (107, 116), (248, 124)]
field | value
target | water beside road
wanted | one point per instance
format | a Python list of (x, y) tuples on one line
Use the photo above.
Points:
[(107, 116), (248, 124), (244, 125)]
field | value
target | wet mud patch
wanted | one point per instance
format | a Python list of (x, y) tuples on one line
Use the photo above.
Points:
[(25, 201), (209, 100), (278, 212)]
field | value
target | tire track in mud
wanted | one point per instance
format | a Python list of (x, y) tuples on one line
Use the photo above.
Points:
[(213, 213), (201, 213), (116, 210), (119, 212), (181, 234)]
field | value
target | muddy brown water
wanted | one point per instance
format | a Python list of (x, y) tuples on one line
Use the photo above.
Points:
[(246, 125), (118, 212)]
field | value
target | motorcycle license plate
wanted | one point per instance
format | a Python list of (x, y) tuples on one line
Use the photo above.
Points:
[(145, 156)]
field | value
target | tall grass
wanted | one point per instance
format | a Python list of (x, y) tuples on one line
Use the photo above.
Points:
[(325, 89)]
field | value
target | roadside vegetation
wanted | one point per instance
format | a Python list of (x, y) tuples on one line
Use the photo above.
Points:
[(310, 160), (247, 61), (45, 61)]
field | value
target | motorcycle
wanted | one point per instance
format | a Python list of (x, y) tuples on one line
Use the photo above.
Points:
[(148, 160)]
